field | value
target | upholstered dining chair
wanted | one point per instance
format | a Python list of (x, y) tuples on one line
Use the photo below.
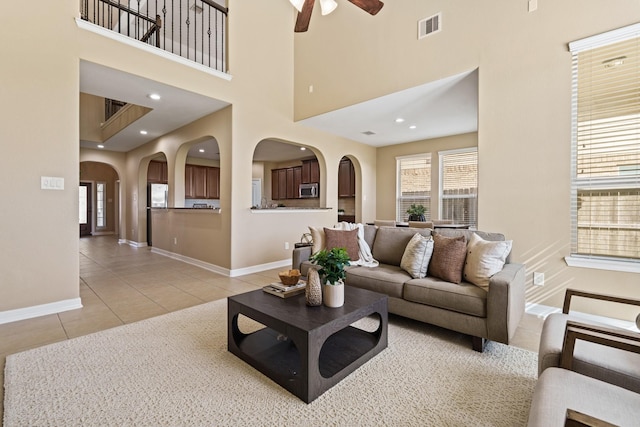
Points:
[(608, 364), (421, 224), (384, 223)]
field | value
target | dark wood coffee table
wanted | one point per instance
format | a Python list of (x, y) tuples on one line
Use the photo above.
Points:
[(306, 350)]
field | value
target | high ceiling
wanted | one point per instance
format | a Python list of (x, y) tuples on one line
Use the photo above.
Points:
[(441, 108)]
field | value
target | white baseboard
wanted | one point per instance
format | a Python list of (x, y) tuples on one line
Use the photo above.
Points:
[(39, 310), (192, 261), (132, 243), (543, 311), (221, 270)]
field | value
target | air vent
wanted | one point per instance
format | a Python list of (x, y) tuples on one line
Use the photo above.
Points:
[(368, 133), (428, 26)]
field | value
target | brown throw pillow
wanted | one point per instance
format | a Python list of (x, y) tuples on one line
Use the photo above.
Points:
[(347, 239), (448, 257)]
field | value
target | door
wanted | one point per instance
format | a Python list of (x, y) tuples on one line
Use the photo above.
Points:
[(85, 208)]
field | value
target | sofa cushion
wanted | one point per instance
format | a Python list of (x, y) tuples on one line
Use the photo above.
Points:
[(390, 242), (484, 259), (417, 254), (347, 239), (448, 257), (386, 279), (463, 298)]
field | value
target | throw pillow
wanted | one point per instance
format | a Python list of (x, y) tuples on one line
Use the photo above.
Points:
[(317, 236), (417, 254), (484, 259), (448, 257), (343, 239)]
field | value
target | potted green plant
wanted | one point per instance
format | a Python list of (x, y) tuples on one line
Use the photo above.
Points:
[(416, 212), (332, 274)]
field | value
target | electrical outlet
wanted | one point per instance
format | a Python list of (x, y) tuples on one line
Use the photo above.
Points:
[(538, 279), (533, 5), (286, 245)]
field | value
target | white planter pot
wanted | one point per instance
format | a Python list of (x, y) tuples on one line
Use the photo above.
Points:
[(333, 295)]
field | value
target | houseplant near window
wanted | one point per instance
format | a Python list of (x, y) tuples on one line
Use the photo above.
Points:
[(416, 212), (332, 274)]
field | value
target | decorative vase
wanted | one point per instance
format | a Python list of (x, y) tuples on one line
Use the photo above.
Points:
[(333, 295), (313, 291), (416, 217)]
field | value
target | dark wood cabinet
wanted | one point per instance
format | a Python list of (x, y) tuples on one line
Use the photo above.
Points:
[(285, 183), (346, 179), (157, 172), (310, 171), (201, 182)]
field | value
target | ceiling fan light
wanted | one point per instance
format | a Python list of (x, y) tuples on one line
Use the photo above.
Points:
[(297, 4), (328, 6)]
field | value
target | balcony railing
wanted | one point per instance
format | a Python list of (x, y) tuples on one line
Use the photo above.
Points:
[(193, 29)]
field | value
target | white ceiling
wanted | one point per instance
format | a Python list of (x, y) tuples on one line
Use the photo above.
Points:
[(441, 108)]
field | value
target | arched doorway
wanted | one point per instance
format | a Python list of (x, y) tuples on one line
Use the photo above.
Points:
[(99, 196)]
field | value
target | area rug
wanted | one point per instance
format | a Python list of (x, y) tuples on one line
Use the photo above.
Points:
[(175, 370)]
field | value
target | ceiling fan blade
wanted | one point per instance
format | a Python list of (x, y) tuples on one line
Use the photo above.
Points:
[(370, 6), (302, 22)]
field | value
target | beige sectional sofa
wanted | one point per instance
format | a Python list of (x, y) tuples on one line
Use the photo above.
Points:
[(485, 313)]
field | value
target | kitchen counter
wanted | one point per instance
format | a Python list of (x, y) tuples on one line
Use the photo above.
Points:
[(288, 210), (214, 210)]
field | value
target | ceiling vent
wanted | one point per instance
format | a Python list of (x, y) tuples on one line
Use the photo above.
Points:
[(368, 133), (430, 25)]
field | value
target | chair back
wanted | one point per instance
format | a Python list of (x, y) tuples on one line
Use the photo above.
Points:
[(421, 224), (384, 222)]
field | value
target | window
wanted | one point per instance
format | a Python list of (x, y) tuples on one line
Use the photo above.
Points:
[(459, 186), (101, 193), (413, 184), (605, 190)]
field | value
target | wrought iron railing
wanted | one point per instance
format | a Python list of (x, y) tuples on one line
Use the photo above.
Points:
[(193, 29)]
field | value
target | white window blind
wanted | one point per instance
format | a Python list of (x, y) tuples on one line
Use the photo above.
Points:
[(101, 220), (459, 186), (605, 191), (413, 184)]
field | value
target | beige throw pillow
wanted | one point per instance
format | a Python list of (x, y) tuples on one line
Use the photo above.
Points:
[(347, 239), (447, 261), (417, 254), (317, 235), (484, 259)]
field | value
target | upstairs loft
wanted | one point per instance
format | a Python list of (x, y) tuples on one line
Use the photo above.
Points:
[(193, 29)]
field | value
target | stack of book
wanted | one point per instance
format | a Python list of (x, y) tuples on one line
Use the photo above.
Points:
[(285, 291)]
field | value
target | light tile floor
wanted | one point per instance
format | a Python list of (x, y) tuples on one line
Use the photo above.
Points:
[(120, 284)]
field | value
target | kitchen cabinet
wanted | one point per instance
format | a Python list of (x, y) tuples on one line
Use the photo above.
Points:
[(201, 182), (346, 179), (285, 183), (310, 171), (157, 172)]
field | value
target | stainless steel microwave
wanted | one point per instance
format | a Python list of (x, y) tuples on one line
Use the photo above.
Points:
[(308, 190)]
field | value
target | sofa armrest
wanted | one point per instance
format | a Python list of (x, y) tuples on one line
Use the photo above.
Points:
[(505, 302), (603, 297), (300, 255)]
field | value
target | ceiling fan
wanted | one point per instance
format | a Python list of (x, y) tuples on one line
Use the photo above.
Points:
[(305, 7)]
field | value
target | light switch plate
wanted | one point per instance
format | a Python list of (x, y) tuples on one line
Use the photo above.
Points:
[(51, 183)]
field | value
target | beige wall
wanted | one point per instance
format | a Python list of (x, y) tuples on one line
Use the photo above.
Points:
[(524, 108)]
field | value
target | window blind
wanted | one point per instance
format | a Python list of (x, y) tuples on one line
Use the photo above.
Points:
[(605, 190), (414, 184), (459, 186)]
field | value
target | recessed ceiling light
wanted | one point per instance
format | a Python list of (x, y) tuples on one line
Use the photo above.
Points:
[(154, 96), (100, 146), (303, 148), (412, 127), (201, 150), (143, 132), (399, 120)]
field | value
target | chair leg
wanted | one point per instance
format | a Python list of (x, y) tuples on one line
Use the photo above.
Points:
[(479, 343)]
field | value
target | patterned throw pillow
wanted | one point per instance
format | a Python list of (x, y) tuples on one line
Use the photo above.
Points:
[(448, 257), (417, 254), (484, 259), (347, 239)]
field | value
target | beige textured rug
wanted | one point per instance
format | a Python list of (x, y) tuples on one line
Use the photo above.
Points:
[(175, 370)]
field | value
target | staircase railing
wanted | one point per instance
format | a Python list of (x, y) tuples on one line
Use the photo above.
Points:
[(193, 29)]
